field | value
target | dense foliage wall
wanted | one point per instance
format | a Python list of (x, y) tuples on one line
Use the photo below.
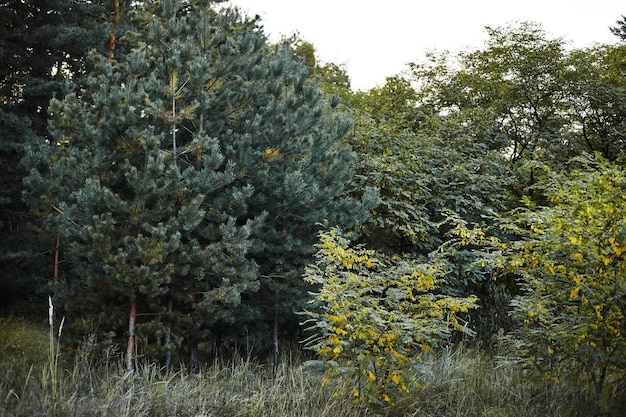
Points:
[(186, 168)]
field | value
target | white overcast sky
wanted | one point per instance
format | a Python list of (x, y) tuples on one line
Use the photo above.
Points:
[(375, 39)]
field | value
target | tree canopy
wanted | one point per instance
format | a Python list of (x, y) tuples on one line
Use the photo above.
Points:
[(41, 44)]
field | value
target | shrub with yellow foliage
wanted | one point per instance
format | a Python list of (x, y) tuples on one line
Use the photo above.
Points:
[(573, 272), (377, 318)]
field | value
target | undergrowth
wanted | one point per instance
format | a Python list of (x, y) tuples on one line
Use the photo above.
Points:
[(36, 380)]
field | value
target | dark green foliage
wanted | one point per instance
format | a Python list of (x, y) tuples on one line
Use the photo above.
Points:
[(620, 29), (432, 173), (425, 165), (41, 43), (184, 172), (23, 258)]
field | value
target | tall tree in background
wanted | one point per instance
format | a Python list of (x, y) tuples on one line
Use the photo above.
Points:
[(516, 81), (185, 171), (527, 96), (334, 79), (596, 100), (41, 43)]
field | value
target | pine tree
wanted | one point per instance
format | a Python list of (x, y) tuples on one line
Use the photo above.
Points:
[(292, 151), (41, 43), (182, 172), (145, 219)]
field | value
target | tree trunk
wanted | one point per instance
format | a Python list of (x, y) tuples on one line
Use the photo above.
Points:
[(168, 339), (130, 350), (56, 258), (276, 346), (193, 355)]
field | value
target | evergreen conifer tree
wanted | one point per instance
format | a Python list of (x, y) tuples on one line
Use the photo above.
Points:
[(182, 172), (41, 43)]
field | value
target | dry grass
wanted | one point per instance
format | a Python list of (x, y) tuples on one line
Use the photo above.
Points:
[(458, 382), (36, 382), (470, 382)]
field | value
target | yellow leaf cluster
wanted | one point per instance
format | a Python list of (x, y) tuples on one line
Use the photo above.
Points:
[(270, 154), (425, 283), (396, 378), (576, 240), (615, 246), (598, 309), (373, 307)]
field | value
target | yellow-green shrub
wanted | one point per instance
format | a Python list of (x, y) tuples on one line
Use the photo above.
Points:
[(572, 266), (377, 318)]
